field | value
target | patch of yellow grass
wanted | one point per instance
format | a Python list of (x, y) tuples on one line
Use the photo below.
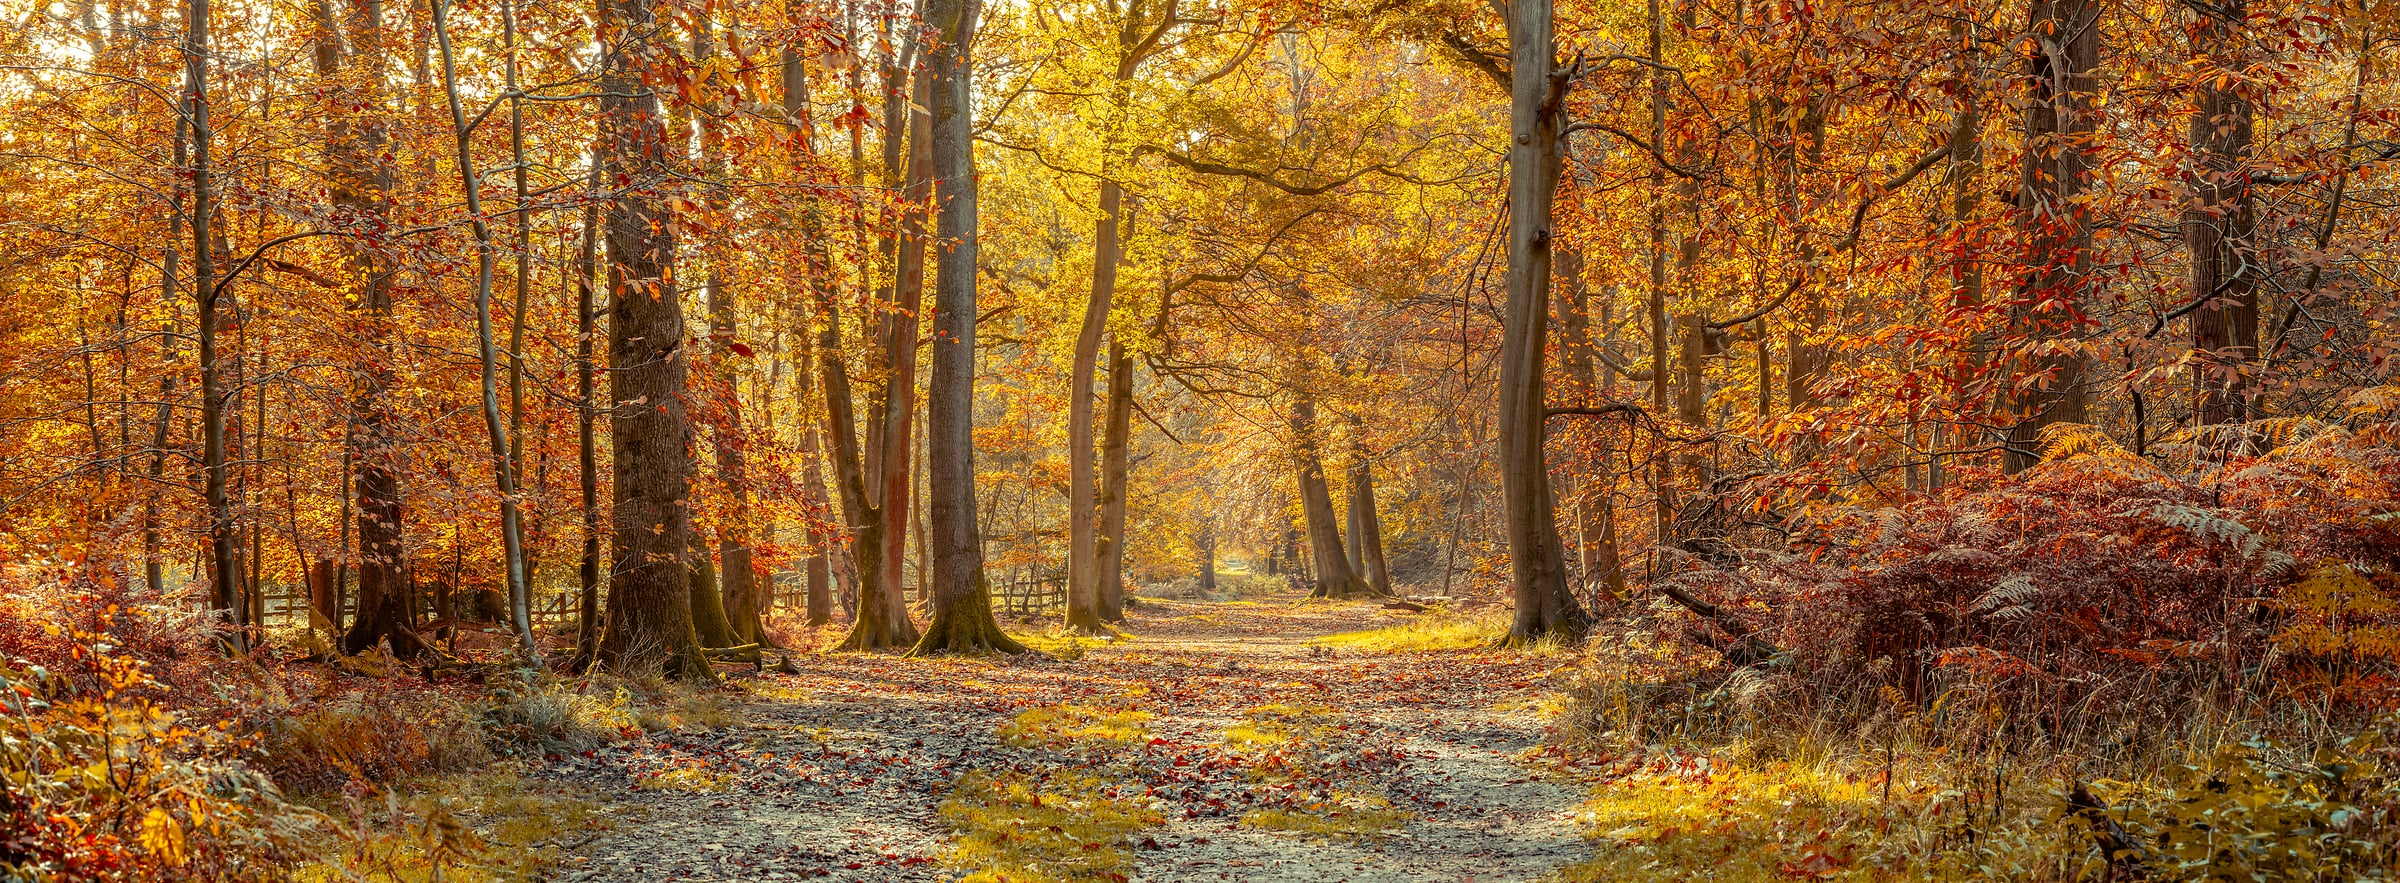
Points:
[(1345, 816), (1432, 632), (1065, 828), (693, 780), (1786, 821), (1068, 724), (483, 828), (1279, 725)]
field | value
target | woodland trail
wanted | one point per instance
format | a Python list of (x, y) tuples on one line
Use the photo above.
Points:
[(841, 772)]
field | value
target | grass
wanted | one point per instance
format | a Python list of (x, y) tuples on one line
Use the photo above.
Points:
[(1069, 725), (1057, 826), (1289, 745), (1432, 632), (1064, 827), (479, 828)]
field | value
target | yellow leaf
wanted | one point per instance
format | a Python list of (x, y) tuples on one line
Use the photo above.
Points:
[(162, 836)]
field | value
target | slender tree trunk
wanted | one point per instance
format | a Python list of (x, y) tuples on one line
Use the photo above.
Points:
[(224, 572), (2218, 227), (1208, 557), (1083, 542), (962, 603), (1662, 501), (1537, 564), (520, 600), (1335, 579), (1966, 278), (504, 468), (738, 589), (796, 109), (587, 447), (649, 625), (2064, 38), (708, 604), (1116, 439), (883, 620)]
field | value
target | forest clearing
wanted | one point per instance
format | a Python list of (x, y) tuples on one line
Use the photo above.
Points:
[(1097, 441)]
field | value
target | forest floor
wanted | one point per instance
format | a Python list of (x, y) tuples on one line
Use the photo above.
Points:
[(1220, 741)]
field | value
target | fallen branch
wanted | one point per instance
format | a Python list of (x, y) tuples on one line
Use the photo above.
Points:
[(2125, 852)]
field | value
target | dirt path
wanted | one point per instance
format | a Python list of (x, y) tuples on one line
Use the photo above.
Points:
[(839, 773)]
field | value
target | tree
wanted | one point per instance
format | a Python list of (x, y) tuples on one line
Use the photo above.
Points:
[(649, 624), (1537, 565), (361, 188), (2062, 51), (2217, 228), (962, 604)]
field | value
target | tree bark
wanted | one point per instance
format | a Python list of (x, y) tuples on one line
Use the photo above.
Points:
[(587, 447), (962, 603), (2218, 227), (883, 621), (225, 576), (649, 625), (504, 467), (2064, 36), (738, 587), (1366, 541), (796, 110), (360, 187), (1083, 551), (1114, 467), (1537, 566), (1335, 579)]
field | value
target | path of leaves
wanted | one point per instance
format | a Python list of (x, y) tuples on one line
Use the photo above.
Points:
[(840, 773)]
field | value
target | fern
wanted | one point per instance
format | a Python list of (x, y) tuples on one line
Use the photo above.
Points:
[(2010, 598), (2203, 524), (2067, 441)]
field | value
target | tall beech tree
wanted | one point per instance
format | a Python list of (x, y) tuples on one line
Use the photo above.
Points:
[(649, 623)]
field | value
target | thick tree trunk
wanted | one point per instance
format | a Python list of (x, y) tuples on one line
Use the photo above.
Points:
[(361, 189), (1366, 535), (1207, 544), (649, 626), (2064, 44), (1335, 579), (2218, 227), (1537, 565), (962, 602), (1116, 439)]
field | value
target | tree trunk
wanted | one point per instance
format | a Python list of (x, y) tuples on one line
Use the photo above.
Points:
[(1083, 552), (962, 602), (504, 466), (708, 604), (2065, 40), (1335, 579), (738, 588), (224, 571), (1366, 540), (1208, 559), (587, 448), (819, 606), (883, 621), (2217, 228), (360, 187), (1537, 565), (1115, 440), (649, 625)]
